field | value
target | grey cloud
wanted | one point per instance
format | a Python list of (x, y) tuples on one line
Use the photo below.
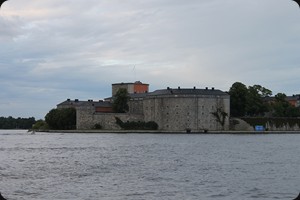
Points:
[(76, 49)]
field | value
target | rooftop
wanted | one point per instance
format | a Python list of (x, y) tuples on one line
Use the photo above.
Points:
[(79, 103), (131, 83), (187, 91)]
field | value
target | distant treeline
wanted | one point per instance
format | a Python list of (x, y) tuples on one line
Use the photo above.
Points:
[(16, 123)]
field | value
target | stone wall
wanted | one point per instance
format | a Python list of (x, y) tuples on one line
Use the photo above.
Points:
[(87, 118), (136, 106), (128, 86), (179, 113)]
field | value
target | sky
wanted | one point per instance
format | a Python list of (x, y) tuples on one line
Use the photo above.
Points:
[(53, 50)]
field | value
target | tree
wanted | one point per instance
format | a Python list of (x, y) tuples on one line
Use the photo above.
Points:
[(238, 97), (140, 125), (262, 91), (120, 101), (255, 105), (282, 108), (19, 123), (63, 119), (52, 119), (220, 116), (248, 101)]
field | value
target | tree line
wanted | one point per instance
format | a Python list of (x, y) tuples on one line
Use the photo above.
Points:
[(256, 101), (16, 123)]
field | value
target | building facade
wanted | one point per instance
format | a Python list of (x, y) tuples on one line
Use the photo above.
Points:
[(180, 109), (133, 88), (187, 109)]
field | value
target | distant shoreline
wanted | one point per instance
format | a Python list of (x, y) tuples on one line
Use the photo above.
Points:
[(167, 132)]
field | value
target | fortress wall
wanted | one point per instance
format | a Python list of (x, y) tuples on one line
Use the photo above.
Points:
[(179, 113), (136, 107), (84, 117), (87, 118)]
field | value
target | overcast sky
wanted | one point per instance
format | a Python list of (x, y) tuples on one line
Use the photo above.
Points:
[(51, 50)]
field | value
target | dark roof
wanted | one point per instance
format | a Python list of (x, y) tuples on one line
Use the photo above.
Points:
[(138, 95), (78, 103), (171, 91), (184, 91), (288, 98), (294, 97)]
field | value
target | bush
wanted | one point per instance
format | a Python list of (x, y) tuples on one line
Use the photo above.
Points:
[(97, 126), (40, 125), (61, 119), (132, 125)]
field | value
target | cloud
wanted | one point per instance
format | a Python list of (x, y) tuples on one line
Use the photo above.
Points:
[(54, 50)]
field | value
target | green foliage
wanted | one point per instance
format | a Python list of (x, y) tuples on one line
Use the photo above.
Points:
[(238, 97), (261, 91), (16, 123), (120, 101), (137, 125), (61, 119), (282, 108), (255, 106), (248, 101), (40, 125)]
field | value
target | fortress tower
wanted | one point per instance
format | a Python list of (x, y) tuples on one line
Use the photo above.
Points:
[(132, 88)]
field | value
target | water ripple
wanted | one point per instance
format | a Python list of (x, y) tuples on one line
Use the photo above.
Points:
[(134, 167)]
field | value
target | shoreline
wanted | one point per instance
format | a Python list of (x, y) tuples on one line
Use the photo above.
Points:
[(166, 132)]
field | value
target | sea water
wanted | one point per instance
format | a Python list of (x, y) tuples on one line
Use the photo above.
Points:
[(58, 166)]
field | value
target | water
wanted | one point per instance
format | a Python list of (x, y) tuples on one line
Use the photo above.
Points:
[(48, 166)]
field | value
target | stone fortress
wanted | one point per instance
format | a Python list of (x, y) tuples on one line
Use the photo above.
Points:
[(173, 109)]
